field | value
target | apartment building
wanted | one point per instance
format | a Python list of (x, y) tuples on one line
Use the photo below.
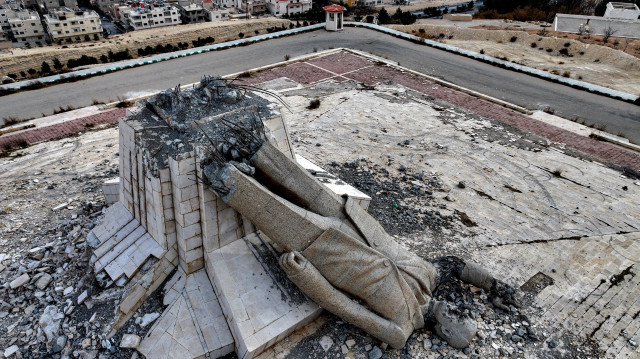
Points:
[(54, 5), (191, 12), (27, 29), (73, 26), (105, 5), (6, 13), (150, 17), (288, 7), (254, 7), (213, 12)]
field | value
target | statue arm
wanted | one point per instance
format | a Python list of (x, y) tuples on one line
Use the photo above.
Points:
[(476, 275), (314, 285)]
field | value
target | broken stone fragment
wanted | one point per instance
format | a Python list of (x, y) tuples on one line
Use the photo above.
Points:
[(375, 353), (50, 322), (326, 343), (130, 341), (148, 319), (20, 281), (10, 351), (43, 281), (82, 297)]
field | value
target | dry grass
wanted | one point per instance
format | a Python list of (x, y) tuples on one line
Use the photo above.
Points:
[(559, 53), (24, 59)]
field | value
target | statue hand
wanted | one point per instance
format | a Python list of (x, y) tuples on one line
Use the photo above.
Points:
[(502, 294), (293, 263)]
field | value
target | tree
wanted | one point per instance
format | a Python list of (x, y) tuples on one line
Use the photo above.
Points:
[(608, 32), (104, 59), (57, 64), (32, 72), (45, 68), (383, 17)]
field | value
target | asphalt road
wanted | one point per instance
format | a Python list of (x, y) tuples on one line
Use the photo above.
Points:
[(517, 88)]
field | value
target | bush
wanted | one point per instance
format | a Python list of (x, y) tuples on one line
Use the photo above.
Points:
[(104, 59), (32, 72), (313, 104), (57, 64), (513, 39), (482, 51), (564, 51), (23, 74), (241, 35), (534, 45), (45, 68)]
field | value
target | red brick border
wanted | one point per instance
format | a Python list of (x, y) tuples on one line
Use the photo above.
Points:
[(36, 135)]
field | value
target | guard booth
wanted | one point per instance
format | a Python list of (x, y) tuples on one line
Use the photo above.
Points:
[(334, 17)]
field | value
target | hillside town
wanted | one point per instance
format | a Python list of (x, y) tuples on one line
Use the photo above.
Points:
[(28, 23)]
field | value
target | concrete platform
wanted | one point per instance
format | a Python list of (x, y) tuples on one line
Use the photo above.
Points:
[(260, 306), (193, 326)]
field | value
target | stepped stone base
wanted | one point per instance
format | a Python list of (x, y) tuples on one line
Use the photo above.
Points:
[(193, 326), (261, 305)]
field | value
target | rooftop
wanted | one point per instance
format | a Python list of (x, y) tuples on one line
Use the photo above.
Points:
[(532, 197)]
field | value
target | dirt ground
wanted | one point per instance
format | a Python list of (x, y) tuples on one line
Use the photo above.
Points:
[(24, 59), (563, 54), (420, 4)]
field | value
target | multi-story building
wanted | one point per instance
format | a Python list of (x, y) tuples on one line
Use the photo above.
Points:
[(54, 5), (105, 5), (258, 7), (73, 26), (27, 29), (6, 13), (120, 12), (288, 7), (191, 12), (150, 17), (220, 4), (213, 12)]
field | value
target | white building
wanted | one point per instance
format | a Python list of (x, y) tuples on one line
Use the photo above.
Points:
[(213, 12), (622, 10), (27, 29), (147, 18), (73, 26), (288, 7), (6, 13), (619, 20), (53, 5)]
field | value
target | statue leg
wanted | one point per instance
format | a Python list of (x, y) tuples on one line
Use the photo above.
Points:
[(314, 285)]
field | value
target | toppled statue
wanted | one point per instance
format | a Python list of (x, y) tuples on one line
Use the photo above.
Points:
[(335, 252)]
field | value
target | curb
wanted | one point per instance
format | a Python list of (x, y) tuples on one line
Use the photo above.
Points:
[(601, 90), (497, 101), (127, 64), (582, 85)]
